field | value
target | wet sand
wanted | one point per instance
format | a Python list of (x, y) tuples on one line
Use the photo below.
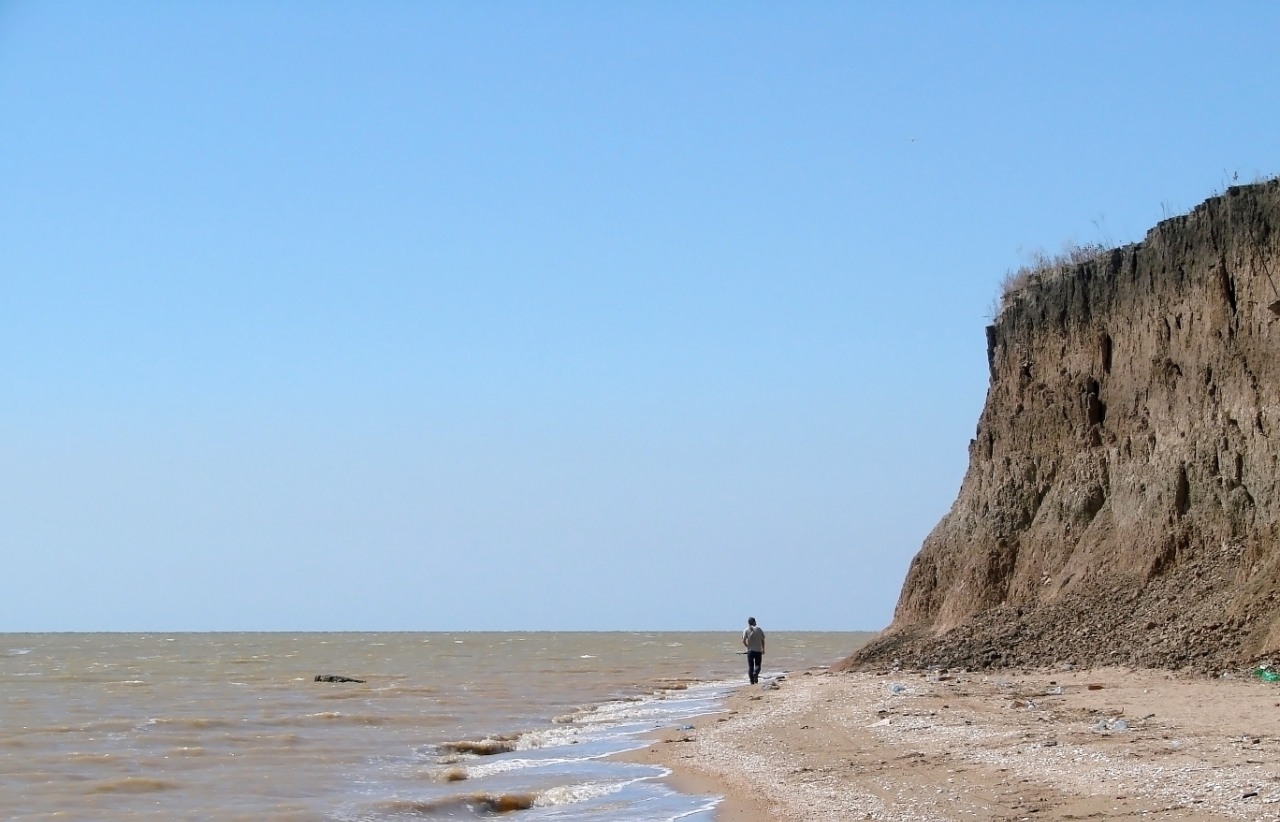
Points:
[(1041, 745)]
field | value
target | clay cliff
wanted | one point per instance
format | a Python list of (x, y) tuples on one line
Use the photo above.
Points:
[(1120, 504)]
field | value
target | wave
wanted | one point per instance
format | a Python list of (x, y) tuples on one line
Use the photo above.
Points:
[(330, 717), (475, 804), (595, 797), (199, 723), (565, 766), (490, 746), (134, 784)]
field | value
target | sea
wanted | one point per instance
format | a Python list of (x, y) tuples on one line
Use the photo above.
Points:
[(237, 726)]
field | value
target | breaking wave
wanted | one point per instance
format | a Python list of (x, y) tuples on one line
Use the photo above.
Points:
[(474, 804)]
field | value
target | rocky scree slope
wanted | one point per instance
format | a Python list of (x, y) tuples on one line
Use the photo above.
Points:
[(1120, 505)]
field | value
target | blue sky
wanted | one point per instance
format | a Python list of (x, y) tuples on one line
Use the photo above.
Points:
[(437, 316)]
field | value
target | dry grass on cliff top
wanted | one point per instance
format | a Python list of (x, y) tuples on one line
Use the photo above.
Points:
[(1040, 266)]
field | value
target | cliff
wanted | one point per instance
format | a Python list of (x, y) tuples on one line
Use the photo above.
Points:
[(1120, 504)]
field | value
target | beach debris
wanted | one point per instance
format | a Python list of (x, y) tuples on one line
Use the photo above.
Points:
[(1111, 725), (771, 685), (1266, 674), (335, 678), (475, 804), (479, 747), (1094, 686), (500, 803), (1250, 795), (897, 688), (1054, 691)]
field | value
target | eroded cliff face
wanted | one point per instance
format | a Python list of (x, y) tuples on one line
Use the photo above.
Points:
[(1120, 504)]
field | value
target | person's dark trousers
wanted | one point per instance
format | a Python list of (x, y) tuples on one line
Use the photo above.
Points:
[(754, 658)]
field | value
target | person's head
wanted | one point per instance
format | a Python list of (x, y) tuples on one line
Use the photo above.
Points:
[(751, 621)]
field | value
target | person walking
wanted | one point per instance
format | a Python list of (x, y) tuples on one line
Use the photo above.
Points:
[(753, 639)]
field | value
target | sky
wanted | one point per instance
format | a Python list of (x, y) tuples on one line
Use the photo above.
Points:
[(546, 316)]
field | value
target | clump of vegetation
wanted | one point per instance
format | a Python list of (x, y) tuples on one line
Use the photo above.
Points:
[(1040, 265)]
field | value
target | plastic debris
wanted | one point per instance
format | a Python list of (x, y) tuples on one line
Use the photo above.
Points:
[(1266, 674)]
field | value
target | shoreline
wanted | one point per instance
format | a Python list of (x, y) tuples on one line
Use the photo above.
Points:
[(1024, 744)]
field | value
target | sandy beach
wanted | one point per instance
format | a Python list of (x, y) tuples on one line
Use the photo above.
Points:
[(1035, 745)]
